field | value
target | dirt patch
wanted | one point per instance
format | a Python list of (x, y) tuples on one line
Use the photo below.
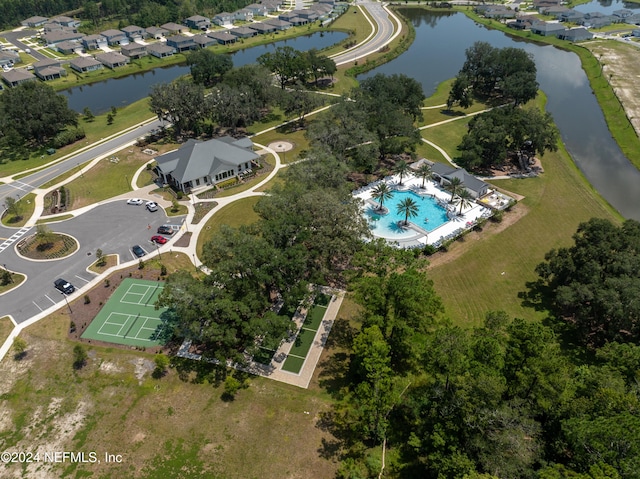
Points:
[(621, 66)]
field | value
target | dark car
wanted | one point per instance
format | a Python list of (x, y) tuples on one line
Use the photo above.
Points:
[(165, 230), (159, 239), (64, 286), (138, 251)]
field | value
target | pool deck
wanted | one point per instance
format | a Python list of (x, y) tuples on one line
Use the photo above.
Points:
[(455, 226)]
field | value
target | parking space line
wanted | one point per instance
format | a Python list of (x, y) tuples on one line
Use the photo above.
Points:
[(80, 277), (50, 299), (37, 306)]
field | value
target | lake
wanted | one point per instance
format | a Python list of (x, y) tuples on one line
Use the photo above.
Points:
[(101, 96), (438, 53)]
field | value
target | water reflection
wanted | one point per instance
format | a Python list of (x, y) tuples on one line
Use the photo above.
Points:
[(101, 96), (439, 52)]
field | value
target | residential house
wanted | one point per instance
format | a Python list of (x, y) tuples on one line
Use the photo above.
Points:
[(541, 4), (175, 28), (52, 27), (293, 18), (8, 58), (204, 41), (272, 5), (571, 16), (49, 69), (112, 59), (633, 19), (597, 21), (15, 77), (546, 28), (55, 37), (243, 15), (34, 22), (622, 14), (223, 38), (134, 50), (200, 163), (307, 13), (553, 11), (636, 32), (495, 11), (198, 22), (181, 43), (258, 9), (279, 25), (160, 50), (115, 37), (575, 34), (69, 47), (262, 28), (157, 32), (521, 23), (85, 64), (223, 19), (134, 32), (94, 42), (243, 32), (443, 174), (66, 21)]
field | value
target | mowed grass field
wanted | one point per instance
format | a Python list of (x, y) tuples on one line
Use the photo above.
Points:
[(487, 270)]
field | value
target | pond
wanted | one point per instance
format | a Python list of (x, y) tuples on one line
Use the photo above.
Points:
[(438, 53), (118, 92)]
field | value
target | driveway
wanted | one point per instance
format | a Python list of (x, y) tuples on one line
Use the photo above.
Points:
[(113, 227), (12, 37)]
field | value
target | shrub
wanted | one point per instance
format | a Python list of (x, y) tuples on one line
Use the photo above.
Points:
[(140, 264), (79, 356), (163, 270), (107, 283), (5, 278), (179, 195), (66, 137), (19, 347), (497, 217), (87, 299), (72, 327)]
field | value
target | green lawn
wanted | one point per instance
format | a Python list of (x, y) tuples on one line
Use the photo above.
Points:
[(95, 131), (300, 142), (236, 214), (293, 364), (26, 206), (303, 342), (314, 317)]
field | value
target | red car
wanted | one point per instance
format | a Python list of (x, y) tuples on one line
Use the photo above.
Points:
[(159, 239)]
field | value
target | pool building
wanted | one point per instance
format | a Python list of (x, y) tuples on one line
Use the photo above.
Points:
[(438, 218)]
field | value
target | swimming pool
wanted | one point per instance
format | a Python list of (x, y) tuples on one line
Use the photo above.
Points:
[(430, 216)]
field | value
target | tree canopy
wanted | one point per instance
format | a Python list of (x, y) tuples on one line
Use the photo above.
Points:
[(33, 112), (207, 67), (495, 136), (494, 74), (181, 103), (594, 285)]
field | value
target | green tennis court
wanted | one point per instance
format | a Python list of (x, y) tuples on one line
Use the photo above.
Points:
[(130, 317)]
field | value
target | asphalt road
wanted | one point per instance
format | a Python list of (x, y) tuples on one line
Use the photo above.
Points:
[(113, 227), (12, 37), (385, 31), (19, 188)]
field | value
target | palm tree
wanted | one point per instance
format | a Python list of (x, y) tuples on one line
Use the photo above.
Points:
[(381, 193), (464, 198), (454, 186), (423, 172), (409, 208), (401, 168)]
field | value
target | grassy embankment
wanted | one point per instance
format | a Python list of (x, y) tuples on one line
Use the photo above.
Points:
[(486, 270), (612, 109)]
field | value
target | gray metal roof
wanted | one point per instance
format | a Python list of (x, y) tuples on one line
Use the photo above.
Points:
[(197, 159)]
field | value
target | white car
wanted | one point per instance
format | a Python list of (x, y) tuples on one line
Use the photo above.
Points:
[(152, 206), (135, 201)]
